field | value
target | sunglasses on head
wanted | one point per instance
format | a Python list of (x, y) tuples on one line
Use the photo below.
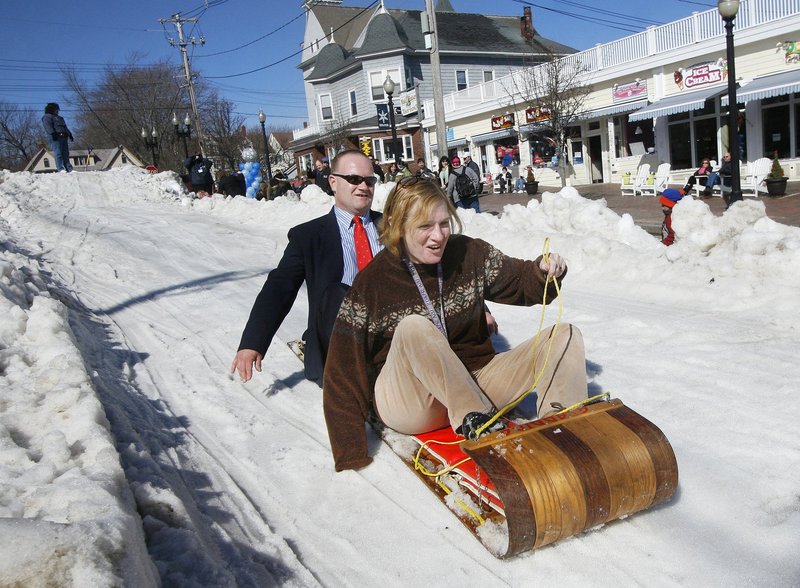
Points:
[(356, 180)]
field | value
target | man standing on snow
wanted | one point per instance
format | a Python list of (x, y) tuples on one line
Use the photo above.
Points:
[(326, 253), (57, 130)]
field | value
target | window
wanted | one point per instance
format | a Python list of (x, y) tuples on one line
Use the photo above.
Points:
[(326, 107), (461, 80), (353, 103), (781, 133), (488, 75), (46, 162), (695, 135), (305, 165), (124, 158), (384, 153), (376, 79)]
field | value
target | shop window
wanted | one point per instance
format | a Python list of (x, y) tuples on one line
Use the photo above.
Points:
[(693, 135), (633, 138), (797, 129), (543, 148), (507, 151), (775, 122), (680, 145)]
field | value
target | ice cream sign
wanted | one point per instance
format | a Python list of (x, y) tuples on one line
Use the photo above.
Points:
[(702, 74)]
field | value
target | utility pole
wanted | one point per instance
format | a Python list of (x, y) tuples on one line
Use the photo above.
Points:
[(182, 43), (432, 39)]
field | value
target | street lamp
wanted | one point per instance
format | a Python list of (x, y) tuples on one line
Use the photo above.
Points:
[(262, 118), (152, 142), (727, 10), (184, 132), (388, 87)]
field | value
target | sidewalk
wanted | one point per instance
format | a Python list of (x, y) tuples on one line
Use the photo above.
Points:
[(645, 210)]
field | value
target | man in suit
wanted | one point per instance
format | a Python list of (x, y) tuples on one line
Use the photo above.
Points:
[(321, 253)]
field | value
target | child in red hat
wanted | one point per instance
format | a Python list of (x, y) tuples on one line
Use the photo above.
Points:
[(669, 198)]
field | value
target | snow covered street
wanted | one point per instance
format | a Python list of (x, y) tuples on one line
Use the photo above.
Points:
[(118, 288)]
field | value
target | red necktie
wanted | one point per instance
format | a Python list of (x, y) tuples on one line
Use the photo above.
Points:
[(363, 251)]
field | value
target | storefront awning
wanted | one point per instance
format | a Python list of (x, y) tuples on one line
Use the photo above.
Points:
[(768, 86), (455, 143), (684, 102), (535, 127), (494, 135), (615, 109)]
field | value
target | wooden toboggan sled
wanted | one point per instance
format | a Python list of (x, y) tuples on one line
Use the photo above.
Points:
[(548, 479)]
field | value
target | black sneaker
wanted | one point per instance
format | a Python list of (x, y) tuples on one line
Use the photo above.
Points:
[(474, 421)]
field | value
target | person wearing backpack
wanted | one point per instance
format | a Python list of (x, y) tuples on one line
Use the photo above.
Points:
[(462, 186)]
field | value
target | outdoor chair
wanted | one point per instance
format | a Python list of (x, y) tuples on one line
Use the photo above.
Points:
[(756, 174), (660, 183), (636, 181)]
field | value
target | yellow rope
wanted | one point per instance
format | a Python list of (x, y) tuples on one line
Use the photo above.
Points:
[(536, 377)]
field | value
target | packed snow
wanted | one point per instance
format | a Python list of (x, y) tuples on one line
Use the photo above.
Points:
[(130, 456)]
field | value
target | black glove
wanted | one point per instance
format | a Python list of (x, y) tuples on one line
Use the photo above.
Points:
[(71, 138), (54, 135)]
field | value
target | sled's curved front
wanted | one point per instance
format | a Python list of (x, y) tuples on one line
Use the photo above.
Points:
[(561, 475)]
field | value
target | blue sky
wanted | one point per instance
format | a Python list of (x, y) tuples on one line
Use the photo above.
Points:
[(37, 37)]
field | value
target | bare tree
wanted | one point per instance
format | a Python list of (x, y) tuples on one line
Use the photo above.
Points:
[(337, 133), (223, 131), (21, 135), (556, 89)]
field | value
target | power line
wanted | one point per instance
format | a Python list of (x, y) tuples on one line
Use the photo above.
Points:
[(272, 32), (295, 54)]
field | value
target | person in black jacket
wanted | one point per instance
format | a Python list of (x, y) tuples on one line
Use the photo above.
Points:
[(57, 131), (321, 253), (200, 174)]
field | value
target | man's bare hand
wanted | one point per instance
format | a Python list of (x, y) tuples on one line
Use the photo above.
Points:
[(244, 361)]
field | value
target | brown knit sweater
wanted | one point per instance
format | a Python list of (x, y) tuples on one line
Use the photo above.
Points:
[(383, 294)]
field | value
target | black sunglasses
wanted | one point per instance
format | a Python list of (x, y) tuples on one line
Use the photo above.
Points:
[(356, 180)]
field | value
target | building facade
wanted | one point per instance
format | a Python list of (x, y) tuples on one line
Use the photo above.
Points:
[(349, 52), (657, 96)]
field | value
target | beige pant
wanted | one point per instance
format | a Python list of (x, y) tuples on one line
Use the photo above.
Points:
[(424, 386)]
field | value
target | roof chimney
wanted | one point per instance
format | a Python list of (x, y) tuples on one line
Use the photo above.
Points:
[(526, 24)]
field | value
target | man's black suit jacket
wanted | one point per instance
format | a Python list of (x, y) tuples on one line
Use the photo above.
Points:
[(313, 255)]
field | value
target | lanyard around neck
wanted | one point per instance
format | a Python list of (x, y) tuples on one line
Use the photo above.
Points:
[(437, 319)]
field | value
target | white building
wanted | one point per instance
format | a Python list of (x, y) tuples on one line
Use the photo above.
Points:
[(656, 96)]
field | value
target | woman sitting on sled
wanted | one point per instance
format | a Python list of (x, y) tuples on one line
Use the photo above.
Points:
[(411, 345)]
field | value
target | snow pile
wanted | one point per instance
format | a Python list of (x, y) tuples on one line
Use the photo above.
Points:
[(63, 499)]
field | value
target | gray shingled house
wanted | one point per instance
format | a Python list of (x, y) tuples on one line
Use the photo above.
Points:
[(349, 51)]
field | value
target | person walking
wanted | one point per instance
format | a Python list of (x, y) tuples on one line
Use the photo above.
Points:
[(462, 186), (326, 253), (56, 129)]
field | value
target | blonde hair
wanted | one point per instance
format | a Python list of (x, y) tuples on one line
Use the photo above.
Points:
[(410, 203)]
